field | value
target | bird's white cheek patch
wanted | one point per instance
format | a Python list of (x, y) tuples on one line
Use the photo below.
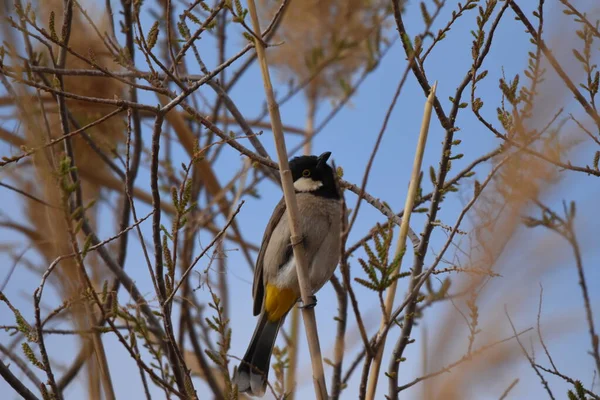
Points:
[(307, 185)]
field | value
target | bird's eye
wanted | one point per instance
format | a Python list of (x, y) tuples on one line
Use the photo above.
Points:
[(306, 173)]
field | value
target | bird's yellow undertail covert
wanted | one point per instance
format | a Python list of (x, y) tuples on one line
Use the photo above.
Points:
[(278, 302)]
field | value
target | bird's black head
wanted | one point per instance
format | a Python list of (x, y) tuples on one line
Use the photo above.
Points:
[(312, 174)]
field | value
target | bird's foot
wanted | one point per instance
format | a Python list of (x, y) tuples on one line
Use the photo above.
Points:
[(297, 240), (312, 303)]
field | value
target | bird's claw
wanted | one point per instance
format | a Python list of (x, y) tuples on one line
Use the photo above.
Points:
[(311, 304), (298, 240)]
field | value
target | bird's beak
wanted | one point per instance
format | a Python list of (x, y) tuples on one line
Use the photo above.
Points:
[(322, 159)]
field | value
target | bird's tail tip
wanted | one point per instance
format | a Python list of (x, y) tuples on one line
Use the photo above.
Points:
[(250, 382)]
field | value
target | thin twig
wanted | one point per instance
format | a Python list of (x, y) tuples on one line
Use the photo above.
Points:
[(193, 264), (539, 329), (531, 361), (509, 388), (465, 358), (567, 379)]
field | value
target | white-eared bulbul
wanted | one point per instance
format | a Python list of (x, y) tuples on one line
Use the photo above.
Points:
[(275, 289)]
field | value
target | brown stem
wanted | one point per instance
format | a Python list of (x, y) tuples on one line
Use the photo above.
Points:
[(15, 382), (308, 314), (401, 244)]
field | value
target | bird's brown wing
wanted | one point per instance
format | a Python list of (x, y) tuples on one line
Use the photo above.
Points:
[(258, 288)]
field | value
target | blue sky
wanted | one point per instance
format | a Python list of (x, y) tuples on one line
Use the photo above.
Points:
[(350, 136)]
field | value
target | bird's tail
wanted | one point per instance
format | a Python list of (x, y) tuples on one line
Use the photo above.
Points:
[(253, 372)]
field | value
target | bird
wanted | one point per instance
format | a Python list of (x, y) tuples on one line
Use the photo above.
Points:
[(275, 289)]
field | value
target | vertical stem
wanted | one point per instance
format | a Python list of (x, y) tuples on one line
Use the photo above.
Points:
[(427, 389), (290, 382), (340, 337), (289, 194), (222, 277), (401, 244)]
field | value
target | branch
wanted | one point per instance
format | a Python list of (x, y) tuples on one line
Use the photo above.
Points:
[(340, 342), (448, 123), (193, 264), (292, 212), (531, 361), (563, 75), (401, 244), (16, 383), (466, 357), (19, 362), (567, 379)]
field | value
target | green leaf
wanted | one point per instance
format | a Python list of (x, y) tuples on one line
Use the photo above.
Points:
[(477, 104), (481, 76), (366, 284), (214, 357), (369, 252), (425, 14), (205, 6), (31, 356), (153, 35), (578, 56), (571, 395), (51, 23), (432, 176), (175, 198), (579, 390), (86, 246), (192, 17), (238, 8)]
